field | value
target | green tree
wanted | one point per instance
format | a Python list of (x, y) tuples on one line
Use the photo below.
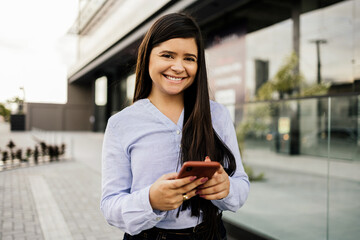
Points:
[(19, 102), (287, 80), (4, 112), (255, 124)]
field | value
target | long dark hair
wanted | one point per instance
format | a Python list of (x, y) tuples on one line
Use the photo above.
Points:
[(199, 138)]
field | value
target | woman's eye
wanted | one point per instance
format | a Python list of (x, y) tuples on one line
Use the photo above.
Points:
[(190, 59), (166, 56)]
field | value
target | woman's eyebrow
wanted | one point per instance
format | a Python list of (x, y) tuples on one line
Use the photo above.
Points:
[(174, 53), (167, 51)]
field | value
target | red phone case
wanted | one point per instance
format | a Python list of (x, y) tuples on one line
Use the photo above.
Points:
[(198, 169)]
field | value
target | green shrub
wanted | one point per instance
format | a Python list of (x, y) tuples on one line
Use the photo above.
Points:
[(4, 112)]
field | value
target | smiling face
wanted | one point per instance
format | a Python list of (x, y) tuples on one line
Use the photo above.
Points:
[(172, 67)]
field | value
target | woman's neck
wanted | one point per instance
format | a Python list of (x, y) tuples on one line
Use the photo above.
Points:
[(171, 106)]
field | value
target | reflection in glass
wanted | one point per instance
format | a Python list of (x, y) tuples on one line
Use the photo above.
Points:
[(326, 49), (307, 148)]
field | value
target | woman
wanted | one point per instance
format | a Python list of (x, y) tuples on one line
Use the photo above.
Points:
[(171, 121)]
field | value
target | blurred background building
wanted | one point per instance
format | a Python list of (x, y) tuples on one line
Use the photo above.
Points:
[(288, 71)]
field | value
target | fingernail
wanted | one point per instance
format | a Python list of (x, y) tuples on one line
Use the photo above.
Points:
[(193, 178), (204, 180)]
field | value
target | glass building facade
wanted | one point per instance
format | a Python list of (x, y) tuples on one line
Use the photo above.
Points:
[(293, 90)]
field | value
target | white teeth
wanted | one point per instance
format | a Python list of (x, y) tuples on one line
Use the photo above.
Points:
[(173, 78)]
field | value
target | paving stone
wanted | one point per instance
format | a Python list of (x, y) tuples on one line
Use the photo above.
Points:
[(7, 237), (75, 189), (74, 185)]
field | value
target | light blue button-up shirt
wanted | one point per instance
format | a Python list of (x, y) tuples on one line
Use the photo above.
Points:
[(140, 145)]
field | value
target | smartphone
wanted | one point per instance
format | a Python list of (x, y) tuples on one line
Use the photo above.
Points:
[(198, 169)]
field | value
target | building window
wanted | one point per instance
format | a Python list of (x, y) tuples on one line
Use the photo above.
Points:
[(101, 91), (130, 86)]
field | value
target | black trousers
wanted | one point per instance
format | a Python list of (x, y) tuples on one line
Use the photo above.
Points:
[(198, 232)]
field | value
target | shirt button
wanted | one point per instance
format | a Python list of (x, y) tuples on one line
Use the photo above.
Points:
[(178, 132), (158, 219)]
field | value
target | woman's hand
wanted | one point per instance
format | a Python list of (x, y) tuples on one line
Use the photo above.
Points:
[(217, 187), (167, 192)]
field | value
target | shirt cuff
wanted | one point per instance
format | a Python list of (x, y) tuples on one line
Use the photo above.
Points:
[(230, 202), (155, 216)]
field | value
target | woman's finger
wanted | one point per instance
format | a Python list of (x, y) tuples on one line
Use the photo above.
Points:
[(193, 185), (212, 190), (179, 183), (169, 176), (215, 180), (189, 195), (214, 196)]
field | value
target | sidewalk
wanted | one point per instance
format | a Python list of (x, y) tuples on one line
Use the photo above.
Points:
[(53, 201), (302, 197)]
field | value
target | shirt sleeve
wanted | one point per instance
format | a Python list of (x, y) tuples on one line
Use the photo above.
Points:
[(129, 211), (239, 182)]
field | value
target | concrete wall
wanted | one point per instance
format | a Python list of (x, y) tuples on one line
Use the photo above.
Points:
[(82, 94), (58, 117), (72, 116)]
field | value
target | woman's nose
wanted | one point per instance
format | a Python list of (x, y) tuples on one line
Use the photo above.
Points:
[(178, 67)]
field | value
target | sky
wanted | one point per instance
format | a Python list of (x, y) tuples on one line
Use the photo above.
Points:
[(35, 49)]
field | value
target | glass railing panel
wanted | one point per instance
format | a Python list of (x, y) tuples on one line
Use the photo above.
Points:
[(288, 189), (344, 168), (343, 132), (313, 127)]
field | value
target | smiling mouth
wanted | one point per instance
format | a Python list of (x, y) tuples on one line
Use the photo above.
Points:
[(173, 78)]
